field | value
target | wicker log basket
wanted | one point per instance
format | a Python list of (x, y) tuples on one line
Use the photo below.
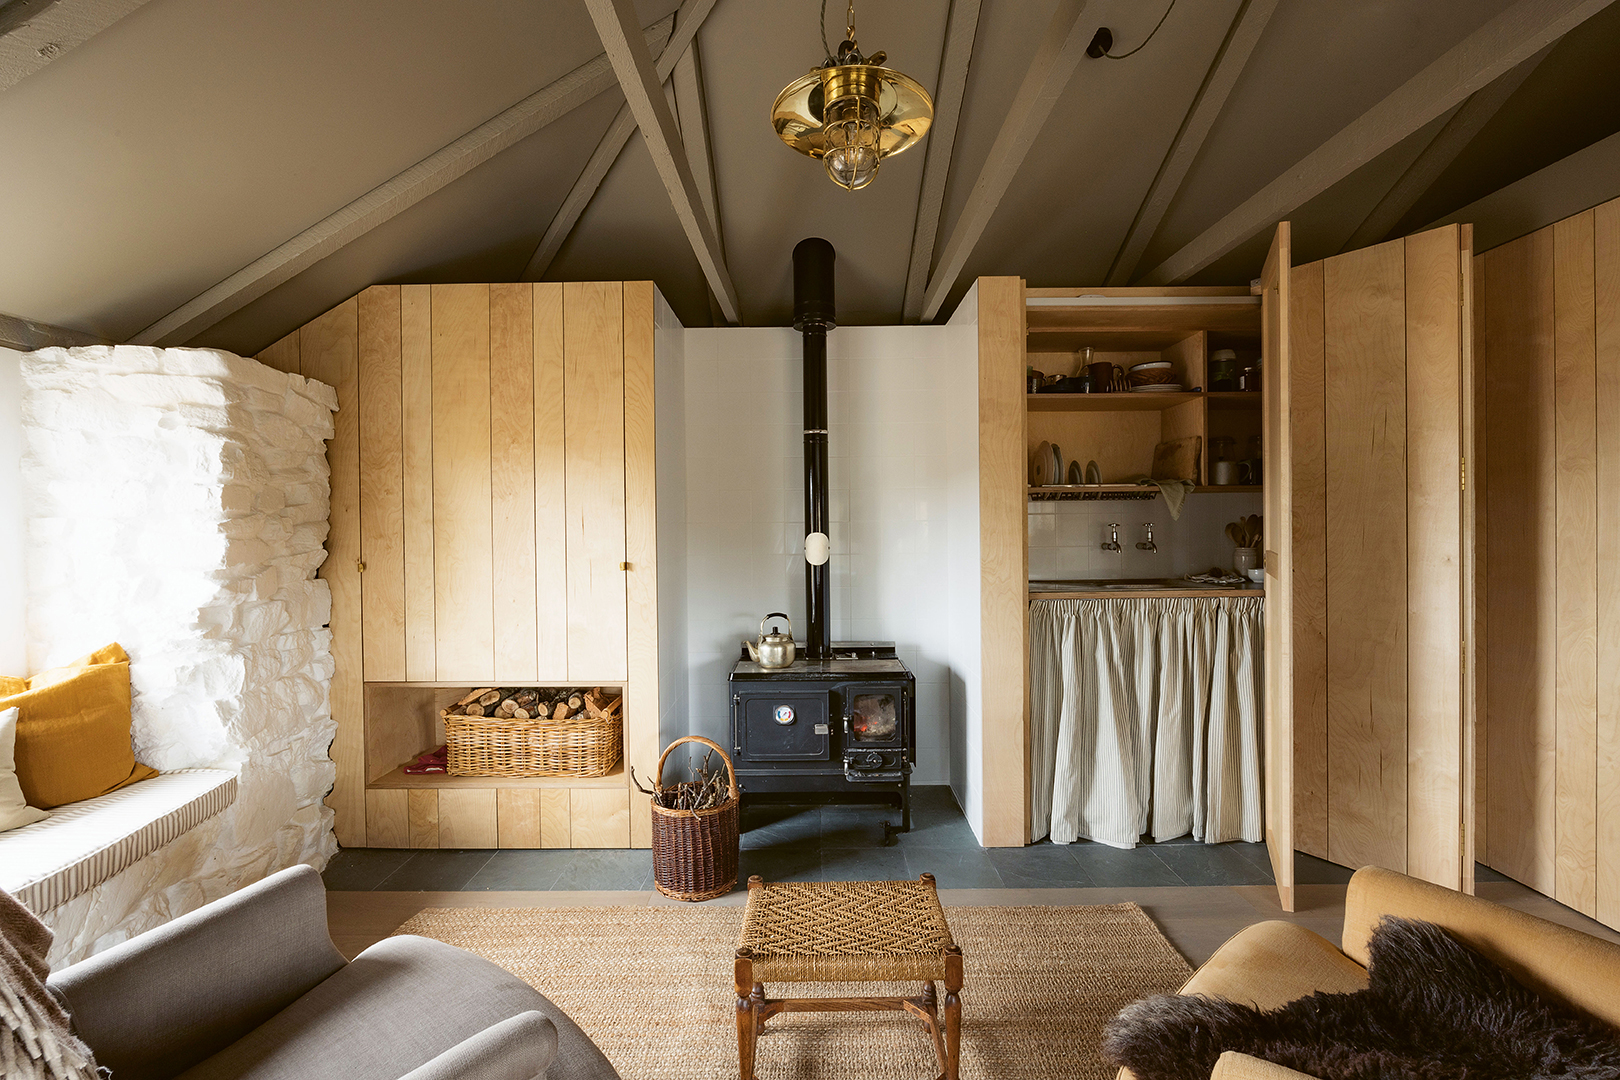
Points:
[(587, 743), (695, 851)]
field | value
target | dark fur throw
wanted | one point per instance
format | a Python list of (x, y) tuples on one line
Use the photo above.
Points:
[(1434, 1010)]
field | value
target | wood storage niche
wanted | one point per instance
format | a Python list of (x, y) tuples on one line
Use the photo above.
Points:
[(535, 731)]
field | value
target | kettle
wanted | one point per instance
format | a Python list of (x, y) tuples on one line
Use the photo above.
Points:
[(775, 650)]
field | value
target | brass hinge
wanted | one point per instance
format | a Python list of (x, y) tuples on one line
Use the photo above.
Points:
[(1464, 473)]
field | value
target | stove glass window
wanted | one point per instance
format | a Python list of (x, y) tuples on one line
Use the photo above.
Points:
[(875, 718)]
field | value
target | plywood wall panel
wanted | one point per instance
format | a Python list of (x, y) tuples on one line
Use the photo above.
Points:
[(641, 704), (283, 355), (1434, 557), (556, 818), (1575, 453), (1606, 288), (328, 352), (388, 818), (1522, 573), (517, 817), (467, 818), (416, 392), (1477, 470), (593, 359), (511, 438), (423, 806), (599, 817), (382, 512), (1364, 300), (463, 543), (1308, 435), (550, 508)]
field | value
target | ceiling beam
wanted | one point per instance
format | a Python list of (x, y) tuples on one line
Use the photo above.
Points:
[(1502, 44), (1229, 63), (35, 32), (390, 198), (683, 41), (1437, 157), (26, 335), (961, 28), (643, 89), (1048, 74)]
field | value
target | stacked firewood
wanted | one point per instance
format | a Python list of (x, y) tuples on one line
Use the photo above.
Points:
[(530, 703), (711, 788)]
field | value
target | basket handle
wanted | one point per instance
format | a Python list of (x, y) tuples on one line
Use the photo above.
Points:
[(712, 745)]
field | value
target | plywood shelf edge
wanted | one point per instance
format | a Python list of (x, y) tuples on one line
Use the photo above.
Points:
[(400, 779)]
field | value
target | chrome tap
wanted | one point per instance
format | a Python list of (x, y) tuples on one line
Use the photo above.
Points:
[(1113, 543), (1148, 544)]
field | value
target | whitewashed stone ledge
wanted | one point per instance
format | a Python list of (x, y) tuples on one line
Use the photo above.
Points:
[(178, 503)]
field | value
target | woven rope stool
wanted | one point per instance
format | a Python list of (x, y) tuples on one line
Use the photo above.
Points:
[(848, 931)]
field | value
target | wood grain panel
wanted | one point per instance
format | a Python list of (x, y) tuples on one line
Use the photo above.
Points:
[(1607, 362), (1517, 353), (642, 706), (511, 390), (1365, 331), (1575, 451), (640, 819), (403, 721), (550, 507), (517, 817), (1003, 564), (382, 512), (463, 552), (388, 819), (1434, 557), (593, 391), (467, 818), (423, 805), (599, 817), (416, 388), (283, 355), (556, 828), (1276, 407), (1479, 817), (1472, 582), (1307, 434), (327, 350)]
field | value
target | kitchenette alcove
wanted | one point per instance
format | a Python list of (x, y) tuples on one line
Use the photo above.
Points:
[(495, 522), (1366, 418)]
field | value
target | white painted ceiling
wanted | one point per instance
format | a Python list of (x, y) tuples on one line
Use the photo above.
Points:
[(191, 137)]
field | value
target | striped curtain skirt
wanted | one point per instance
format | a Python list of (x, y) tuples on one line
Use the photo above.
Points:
[(1145, 719)]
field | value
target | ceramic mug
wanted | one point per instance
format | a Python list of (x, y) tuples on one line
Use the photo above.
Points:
[(1227, 473), (1102, 377)]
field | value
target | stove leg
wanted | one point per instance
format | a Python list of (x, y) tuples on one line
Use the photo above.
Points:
[(905, 805)]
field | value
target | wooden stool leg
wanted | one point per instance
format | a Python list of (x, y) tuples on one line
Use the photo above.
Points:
[(953, 1012), (747, 1014)]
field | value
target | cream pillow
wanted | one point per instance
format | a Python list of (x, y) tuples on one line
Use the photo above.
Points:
[(14, 811)]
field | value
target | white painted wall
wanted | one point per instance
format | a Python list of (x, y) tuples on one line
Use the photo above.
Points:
[(963, 568), (13, 640), (892, 437)]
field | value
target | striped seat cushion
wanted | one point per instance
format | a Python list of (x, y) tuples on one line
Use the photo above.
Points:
[(83, 844)]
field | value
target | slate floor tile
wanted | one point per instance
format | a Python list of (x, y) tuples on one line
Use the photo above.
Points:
[(798, 862), (526, 870), (436, 871), (1309, 870), (1210, 864), (955, 868), (1112, 867), (1039, 866), (604, 868), (362, 869), (864, 864)]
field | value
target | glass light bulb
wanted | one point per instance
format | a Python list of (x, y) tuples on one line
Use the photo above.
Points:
[(851, 167)]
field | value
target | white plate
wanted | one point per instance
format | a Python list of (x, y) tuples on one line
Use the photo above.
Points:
[(1161, 388)]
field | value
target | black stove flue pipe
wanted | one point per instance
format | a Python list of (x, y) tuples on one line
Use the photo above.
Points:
[(813, 316)]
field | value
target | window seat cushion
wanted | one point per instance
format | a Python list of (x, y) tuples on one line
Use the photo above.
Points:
[(82, 844)]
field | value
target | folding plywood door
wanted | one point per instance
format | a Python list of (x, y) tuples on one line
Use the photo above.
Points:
[(1380, 600), (1275, 347)]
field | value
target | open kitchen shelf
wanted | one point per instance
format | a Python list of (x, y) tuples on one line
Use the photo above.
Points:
[(1109, 402)]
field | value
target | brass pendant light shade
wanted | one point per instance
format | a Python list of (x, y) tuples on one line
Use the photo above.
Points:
[(852, 113)]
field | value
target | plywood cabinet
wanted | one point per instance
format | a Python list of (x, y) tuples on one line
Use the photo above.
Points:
[(492, 473)]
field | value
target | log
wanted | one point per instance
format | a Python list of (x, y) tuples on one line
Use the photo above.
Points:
[(489, 697), (560, 711), (472, 697), (474, 709), (520, 714)]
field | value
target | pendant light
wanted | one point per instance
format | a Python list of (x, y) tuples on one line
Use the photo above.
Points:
[(852, 112)]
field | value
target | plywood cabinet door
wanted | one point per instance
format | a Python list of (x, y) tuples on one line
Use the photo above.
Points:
[(1376, 603), (593, 466), (1276, 293)]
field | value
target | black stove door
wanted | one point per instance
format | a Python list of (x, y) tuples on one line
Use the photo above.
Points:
[(773, 725)]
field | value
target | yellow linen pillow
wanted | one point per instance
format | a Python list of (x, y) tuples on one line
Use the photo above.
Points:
[(73, 739)]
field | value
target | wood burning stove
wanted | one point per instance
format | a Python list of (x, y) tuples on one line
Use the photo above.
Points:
[(840, 722)]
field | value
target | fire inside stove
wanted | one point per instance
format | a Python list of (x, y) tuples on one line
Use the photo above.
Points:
[(875, 718)]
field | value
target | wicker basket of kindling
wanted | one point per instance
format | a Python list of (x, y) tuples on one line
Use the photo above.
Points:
[(695, 851), (581, 734)]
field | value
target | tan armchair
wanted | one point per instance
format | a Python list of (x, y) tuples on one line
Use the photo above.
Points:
[(1272, 963)]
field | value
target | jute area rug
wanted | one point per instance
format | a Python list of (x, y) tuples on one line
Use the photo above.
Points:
[(652, 986)]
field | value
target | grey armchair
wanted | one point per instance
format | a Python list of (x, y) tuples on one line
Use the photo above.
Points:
[(251, 987)]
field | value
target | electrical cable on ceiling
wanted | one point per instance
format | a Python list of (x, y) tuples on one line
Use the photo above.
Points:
[(827, 49), (1106, 56)]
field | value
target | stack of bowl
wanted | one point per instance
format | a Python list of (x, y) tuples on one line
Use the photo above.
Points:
[(1156, 373)]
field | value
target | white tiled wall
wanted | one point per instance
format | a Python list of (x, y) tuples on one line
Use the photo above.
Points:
[(1066, 538), (891, 394)]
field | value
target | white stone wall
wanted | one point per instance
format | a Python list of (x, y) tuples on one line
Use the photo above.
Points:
[(177, 503)]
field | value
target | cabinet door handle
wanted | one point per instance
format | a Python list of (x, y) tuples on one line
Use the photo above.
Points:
[(624, 566)]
